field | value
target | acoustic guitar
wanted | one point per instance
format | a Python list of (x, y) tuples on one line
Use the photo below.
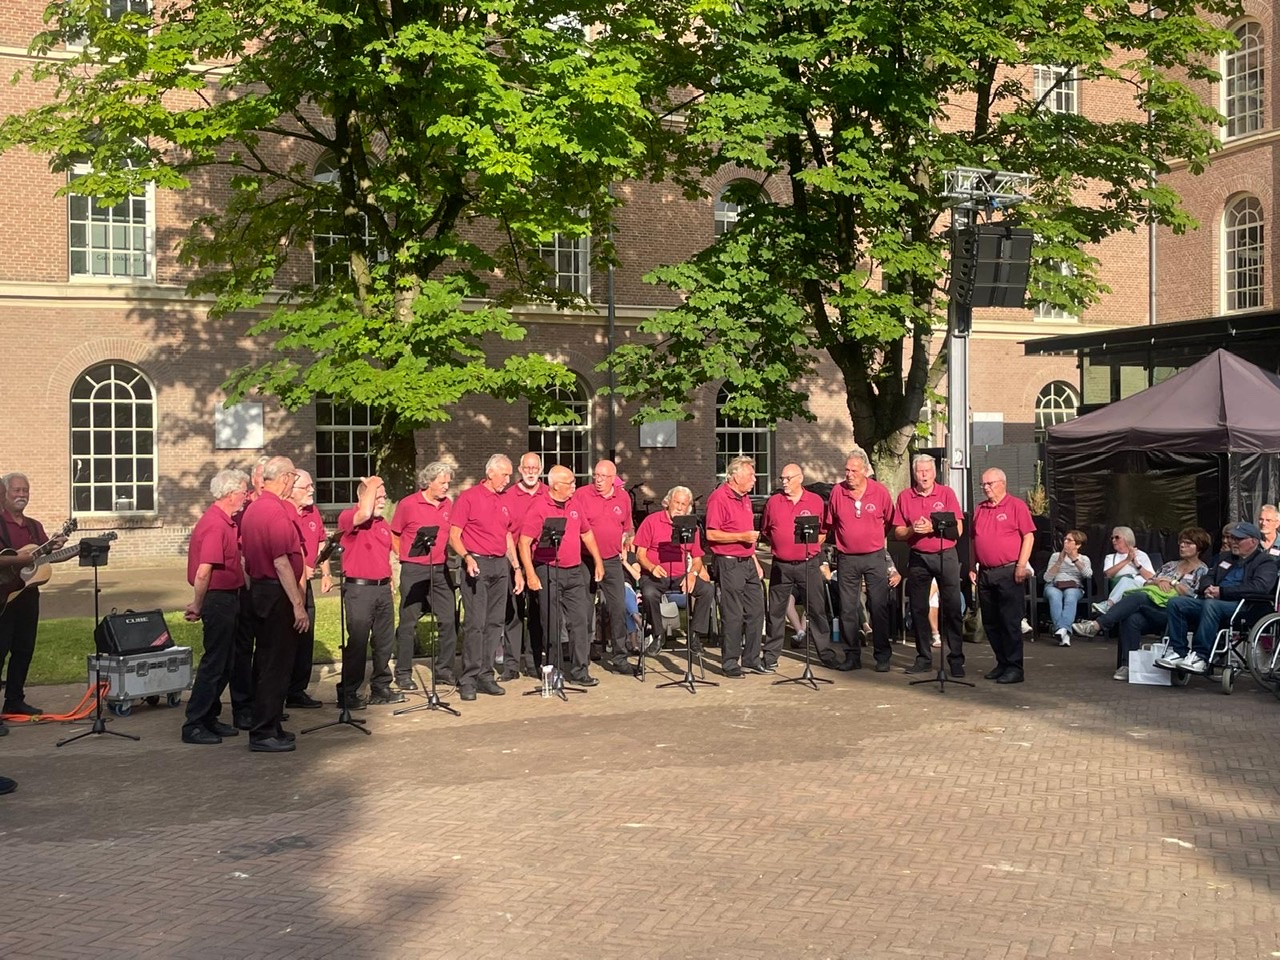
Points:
[(13, 580)]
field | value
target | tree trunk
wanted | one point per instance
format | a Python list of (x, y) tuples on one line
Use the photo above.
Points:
[(397, 458)]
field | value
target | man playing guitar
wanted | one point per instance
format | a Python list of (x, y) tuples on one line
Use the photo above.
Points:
[(21, 617)]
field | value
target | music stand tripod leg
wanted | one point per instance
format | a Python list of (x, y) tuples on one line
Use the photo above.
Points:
[(689, 680), (941, 679)]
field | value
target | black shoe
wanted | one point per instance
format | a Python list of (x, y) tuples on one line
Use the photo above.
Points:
[(852, 662), (222, 729), (467, 693), (378, 698), (243, 721), (284, 716), (303, 701), (995, 673), (620, 665), (769, 667), (756, 668), (490, 686), (1012, 675), (582, 679), (655, 646), (957, 671), (7, 786), (532, 673), (882, 666), (201, 735), (22, 708), (357, 703), (921, 665), (272, 745), (287, 736), (408, 684), (733, 671), (446, 678), (4, 731), (509, 674)]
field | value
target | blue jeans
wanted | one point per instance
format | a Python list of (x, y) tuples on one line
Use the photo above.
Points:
[(1206, 617), (1062, 605)]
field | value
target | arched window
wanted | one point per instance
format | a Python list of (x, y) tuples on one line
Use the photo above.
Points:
[(329, 237), (113, 441), (743, 438), (346, 442), (734, 198), (1056, 403), (1242, 77), (1242, 245), (566, 444), (110, 242)]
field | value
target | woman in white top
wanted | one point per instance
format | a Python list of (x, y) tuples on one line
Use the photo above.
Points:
[(1127, 568), (1065, 579)]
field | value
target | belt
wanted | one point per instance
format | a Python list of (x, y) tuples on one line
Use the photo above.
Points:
[(362, 582), (779, 560), (721, 556), (1001, 566)]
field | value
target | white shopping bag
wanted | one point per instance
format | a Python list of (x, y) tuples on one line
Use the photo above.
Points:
[(1142, 668)]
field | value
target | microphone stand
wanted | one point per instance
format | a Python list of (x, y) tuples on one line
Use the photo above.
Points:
[(423, 544), (331, 548), (806, 533), (947, 532), (683, 535), (553, 535)]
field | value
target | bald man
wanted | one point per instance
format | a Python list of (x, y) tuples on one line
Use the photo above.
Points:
[(607, 510)]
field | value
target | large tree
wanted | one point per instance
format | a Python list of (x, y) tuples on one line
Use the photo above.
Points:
[(857, 110), (459, 135)]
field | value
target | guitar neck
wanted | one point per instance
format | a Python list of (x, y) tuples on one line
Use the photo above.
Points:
[(66, 553)]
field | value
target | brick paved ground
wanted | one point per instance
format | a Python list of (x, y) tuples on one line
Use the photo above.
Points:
[(1072, 815)]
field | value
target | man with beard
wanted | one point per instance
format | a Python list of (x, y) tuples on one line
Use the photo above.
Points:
[(522, 637), (606, 508)]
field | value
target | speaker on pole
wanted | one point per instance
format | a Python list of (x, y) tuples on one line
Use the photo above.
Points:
[(990, 265)]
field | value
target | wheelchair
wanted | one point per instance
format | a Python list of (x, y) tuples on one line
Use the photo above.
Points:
[(1242, 646)]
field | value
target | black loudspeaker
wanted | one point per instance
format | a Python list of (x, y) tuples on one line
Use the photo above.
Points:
[(990, 264), (134, 631)]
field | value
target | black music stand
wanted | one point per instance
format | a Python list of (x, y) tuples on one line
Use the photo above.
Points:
[(683, 531), (552, 536), (93, 553), (806, 533), (331, 548), (423, 543), (946, 527)]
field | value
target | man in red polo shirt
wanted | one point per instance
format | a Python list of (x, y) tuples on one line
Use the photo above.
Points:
[(425, 581), (795, 566), (557, 572), (366, 588), (215, 570), (522, 636), (1003, 534), (732, 536), (312, 530), (273, 561), (932, 557), (240, 688), (480, 533), (20, 620), (606, 508), (860, 515), (664, 562), (10, 564)]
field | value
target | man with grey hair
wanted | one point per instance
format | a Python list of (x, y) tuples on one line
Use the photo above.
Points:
[(215, 570), (522, 636), (664, 563), (1268, 522), (10, 564), (419, 537), (311, 528), (480, 533), (731, 537)]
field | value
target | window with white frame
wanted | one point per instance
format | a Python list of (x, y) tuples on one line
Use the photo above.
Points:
[(110, 242), (1242, 244), (566, 444), (1242, 77), (569, 260), (743, 438), (728, 211), (346, 444), (1056, 403), (1048, 311), (114, 10), (329, 239), (113, 441), (1057, 88)]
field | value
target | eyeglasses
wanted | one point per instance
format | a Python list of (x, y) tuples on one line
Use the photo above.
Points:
[(791, 476), (989, 483), (1116, 536)]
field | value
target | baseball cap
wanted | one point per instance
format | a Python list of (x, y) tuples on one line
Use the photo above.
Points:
[(1246, 529)]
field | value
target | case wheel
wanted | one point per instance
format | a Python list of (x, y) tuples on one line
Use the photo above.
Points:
[(121, 709), (174, 699)]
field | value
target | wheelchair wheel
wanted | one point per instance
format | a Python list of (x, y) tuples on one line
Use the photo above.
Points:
[(1228, 679), (1181, 678), (1263, 652)]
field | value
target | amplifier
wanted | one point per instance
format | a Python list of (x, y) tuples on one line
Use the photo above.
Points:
[(134, 631)]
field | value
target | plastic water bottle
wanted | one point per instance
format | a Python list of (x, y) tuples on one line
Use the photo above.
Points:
[(547, 681), (835, 631)]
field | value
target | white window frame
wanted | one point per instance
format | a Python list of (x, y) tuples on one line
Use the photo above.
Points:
[(341, 431), (1057, 402), (1243, 83), (1048, 311), (1243, 255), (109, 251), (131, 6), (727, 213), (743, 438), (110, 440), (1063, 98), (567, 444), (326, 171), (569, 260)]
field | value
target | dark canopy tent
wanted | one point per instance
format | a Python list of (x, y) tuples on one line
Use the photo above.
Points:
[(1199, 448)]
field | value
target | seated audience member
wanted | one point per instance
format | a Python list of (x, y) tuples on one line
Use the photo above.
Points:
[(1065, 580), (1126, 567), (1144, 610), (1249, 575)]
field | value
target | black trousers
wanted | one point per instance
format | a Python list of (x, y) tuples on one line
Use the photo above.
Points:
[(798, 578), (653, 590), (522, 636), (370, 619), (613, 589), (1001, 599), (852, 571), (276, 647), (426, 587), (922, 570), (484, 614), (220, 616), (18, 627), (242, 657), (566, 611), (741, 609), (300, 679)]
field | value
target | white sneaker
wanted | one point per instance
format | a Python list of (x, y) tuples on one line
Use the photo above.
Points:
[(937, 641), (1170, 661), (1194, 663), (1102, 606), (1064, 638), (1086, 628), (1121, 674), (1026, 627)]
